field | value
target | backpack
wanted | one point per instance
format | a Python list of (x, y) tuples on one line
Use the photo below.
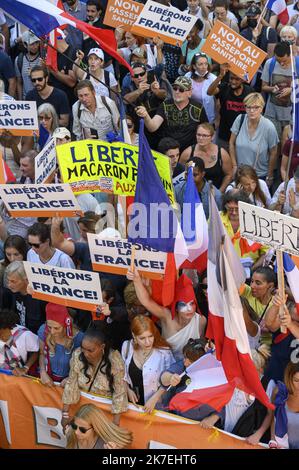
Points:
[(104, 101)]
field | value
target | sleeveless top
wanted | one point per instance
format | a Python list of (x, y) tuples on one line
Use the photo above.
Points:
[(215, 172)]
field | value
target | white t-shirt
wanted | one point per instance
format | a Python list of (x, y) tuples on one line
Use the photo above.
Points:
[(235, 408), (101, 89), (59, 259), (27, 342)]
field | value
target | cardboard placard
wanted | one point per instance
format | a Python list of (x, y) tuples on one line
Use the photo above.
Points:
[(98, 166), (45, 163), (224, 45), (18, 117), (269, 228), (166, 22), (35, 200), (114, 256), (122, 13), (69, 287)]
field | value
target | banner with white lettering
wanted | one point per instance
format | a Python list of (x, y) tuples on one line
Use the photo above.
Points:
[(35, 200)]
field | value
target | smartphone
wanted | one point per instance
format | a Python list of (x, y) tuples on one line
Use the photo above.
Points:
[(94, 133), (150, 77)]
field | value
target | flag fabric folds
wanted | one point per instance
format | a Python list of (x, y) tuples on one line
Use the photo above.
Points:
[(292, 274), (41, 17), (226, 324), (208, 386), (279, 7), (153, 221), (194, 227)]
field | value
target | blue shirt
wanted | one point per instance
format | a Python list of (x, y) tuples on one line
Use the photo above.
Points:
[(60, 362)]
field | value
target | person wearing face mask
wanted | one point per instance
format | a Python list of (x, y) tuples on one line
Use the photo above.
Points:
[(201, 80), (262, 36), (289, 34)]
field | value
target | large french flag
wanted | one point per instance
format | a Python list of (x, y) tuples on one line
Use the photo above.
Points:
[(279, 7), (226, 324), (292, 274), (208, 386), (42, 16), (194, 227), (153, 221)]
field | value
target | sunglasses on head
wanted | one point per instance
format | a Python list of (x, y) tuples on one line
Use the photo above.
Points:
[(141, 74), (178, 88), (37, 79), (81, 429), (34, 245)]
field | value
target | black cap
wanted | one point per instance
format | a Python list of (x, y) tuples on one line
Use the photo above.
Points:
[(253, 10)]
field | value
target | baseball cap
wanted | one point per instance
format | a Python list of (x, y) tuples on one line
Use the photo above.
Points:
[(184, 82), (97, 51), (253, 10), (61, 133), (29, 38), (139, 52)]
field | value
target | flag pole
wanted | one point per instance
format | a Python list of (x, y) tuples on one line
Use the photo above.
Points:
[(262, 14), (281, 287)]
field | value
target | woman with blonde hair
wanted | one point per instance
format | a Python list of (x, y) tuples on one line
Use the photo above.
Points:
[(256, 189), (90, 429), (146, 356), (254, 139)]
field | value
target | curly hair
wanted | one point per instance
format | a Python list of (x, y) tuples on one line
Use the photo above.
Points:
[(8, 319)]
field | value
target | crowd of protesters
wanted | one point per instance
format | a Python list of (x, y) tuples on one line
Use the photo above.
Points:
[(236, 134)]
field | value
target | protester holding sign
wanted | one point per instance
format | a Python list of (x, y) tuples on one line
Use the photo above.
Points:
[(42, 251), (190, 47), (98, 369), (31, 311)]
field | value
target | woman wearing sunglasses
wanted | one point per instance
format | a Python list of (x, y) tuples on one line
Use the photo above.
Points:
[(90, 429), (95, 368), (134, 136)]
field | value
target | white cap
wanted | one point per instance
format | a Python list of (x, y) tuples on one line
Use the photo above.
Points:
[(61, 133), (29, 38), (98, 52)]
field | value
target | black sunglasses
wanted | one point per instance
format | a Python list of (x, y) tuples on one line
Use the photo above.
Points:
[(37, 79), (178, 88), (81, 429), (141, 74), (35, 245)]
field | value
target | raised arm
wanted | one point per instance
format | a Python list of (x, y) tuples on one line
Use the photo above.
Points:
[(144, 297), (152, 124), (58, 240)]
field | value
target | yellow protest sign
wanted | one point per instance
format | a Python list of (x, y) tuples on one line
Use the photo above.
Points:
[(98, 166)]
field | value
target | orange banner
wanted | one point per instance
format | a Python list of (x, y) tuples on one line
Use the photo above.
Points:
[(122, 13), (224, 45), (30, 415)]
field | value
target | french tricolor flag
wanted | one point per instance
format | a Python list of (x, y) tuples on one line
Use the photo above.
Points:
[(292, 274), (279, 7), (194, 227)]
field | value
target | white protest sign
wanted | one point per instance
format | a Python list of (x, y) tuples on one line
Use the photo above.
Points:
[(270, 228), (18, 117), (35, 200), (70, 287), (114, 256), (166, 22), (178, 180), (45, 163)]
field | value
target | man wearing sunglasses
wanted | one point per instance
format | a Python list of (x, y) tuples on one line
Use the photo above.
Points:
[(144, 90), (44, 93), (180, 115)]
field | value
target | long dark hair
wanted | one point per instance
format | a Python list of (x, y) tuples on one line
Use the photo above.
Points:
[(17, 242), (95, 334)]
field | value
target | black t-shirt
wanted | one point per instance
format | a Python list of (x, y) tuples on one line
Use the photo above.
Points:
[(64, 65), (57, 98), (181, 124), (230, 107), (32, 312)]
